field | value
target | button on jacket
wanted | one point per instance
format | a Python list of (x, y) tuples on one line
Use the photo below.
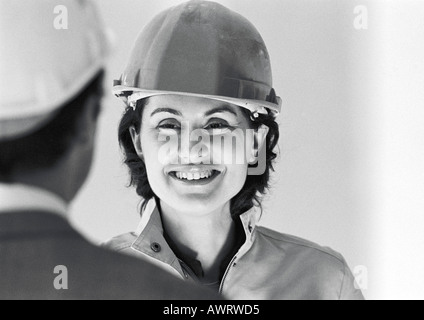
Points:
[(268, 266), (35, 238)]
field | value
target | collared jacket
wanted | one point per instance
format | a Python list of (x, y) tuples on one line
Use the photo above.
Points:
[(268, 266)]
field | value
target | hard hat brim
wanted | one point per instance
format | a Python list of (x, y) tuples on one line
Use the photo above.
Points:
[(131, 95)]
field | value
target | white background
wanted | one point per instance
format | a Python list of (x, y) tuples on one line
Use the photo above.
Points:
[(351, 169)]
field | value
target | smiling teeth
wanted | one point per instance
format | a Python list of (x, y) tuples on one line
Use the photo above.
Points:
[(194, 176)]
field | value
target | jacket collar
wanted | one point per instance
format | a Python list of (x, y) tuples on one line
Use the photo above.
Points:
[(151, 241), (24, 198), (33, 224)]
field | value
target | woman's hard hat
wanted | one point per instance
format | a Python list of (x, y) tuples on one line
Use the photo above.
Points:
[(50, 50), (200, 48)]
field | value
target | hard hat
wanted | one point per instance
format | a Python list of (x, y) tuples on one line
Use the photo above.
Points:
[(49, 52), (200, 48)]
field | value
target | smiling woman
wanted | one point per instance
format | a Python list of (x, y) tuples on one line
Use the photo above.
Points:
[(149, 127), (201, 70)]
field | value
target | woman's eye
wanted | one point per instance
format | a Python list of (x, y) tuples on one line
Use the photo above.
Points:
[(169, 125), (217, 125)]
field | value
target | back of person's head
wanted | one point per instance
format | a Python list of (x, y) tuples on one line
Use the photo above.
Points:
[(45, 147), (52, 62)]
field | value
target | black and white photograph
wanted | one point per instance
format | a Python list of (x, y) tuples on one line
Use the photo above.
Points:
[(211, 155)]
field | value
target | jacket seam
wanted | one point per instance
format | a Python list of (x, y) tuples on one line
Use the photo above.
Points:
[(121, 247), (306, 246), (152, 256)]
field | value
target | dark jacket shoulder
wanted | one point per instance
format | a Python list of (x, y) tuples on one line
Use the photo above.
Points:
[(43, 257)]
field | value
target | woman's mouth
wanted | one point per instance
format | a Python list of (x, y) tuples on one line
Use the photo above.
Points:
[(195, 177)]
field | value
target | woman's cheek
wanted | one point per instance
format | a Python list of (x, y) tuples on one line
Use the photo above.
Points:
[(238, 152), (236, 177), (154, 147)]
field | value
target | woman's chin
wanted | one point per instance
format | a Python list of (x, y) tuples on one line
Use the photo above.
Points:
[(195, 203)]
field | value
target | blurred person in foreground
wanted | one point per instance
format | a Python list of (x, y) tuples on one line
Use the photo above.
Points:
[(51, 84)]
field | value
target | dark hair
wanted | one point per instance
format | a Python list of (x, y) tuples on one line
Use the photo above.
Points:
[(46, 146), (254, 187)]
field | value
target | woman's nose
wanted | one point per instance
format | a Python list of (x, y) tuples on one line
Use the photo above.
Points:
[(195, 147)]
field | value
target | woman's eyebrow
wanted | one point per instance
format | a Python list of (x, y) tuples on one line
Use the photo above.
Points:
[(221, 109), (168, 110)]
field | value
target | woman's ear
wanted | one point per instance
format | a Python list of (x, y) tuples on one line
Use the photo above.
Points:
[(136, 141), (259, 142)]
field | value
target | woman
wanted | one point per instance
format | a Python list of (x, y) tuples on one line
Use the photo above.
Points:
[(198, 78)]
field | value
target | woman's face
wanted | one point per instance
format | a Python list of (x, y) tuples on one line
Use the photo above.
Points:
[(196, 151)]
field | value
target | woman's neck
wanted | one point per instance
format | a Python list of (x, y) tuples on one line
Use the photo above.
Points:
[(207, 237)]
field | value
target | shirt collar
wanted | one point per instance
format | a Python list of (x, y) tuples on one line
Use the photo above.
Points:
[(150, 234), (18, 198), (249, 219)]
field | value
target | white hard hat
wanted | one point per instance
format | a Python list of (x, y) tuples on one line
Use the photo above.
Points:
[(50, 50)]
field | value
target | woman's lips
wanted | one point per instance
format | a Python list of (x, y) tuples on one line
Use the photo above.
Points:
[(195, 178), (200, 174)]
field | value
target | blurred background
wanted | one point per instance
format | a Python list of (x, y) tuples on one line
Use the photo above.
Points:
[(350, 174)]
